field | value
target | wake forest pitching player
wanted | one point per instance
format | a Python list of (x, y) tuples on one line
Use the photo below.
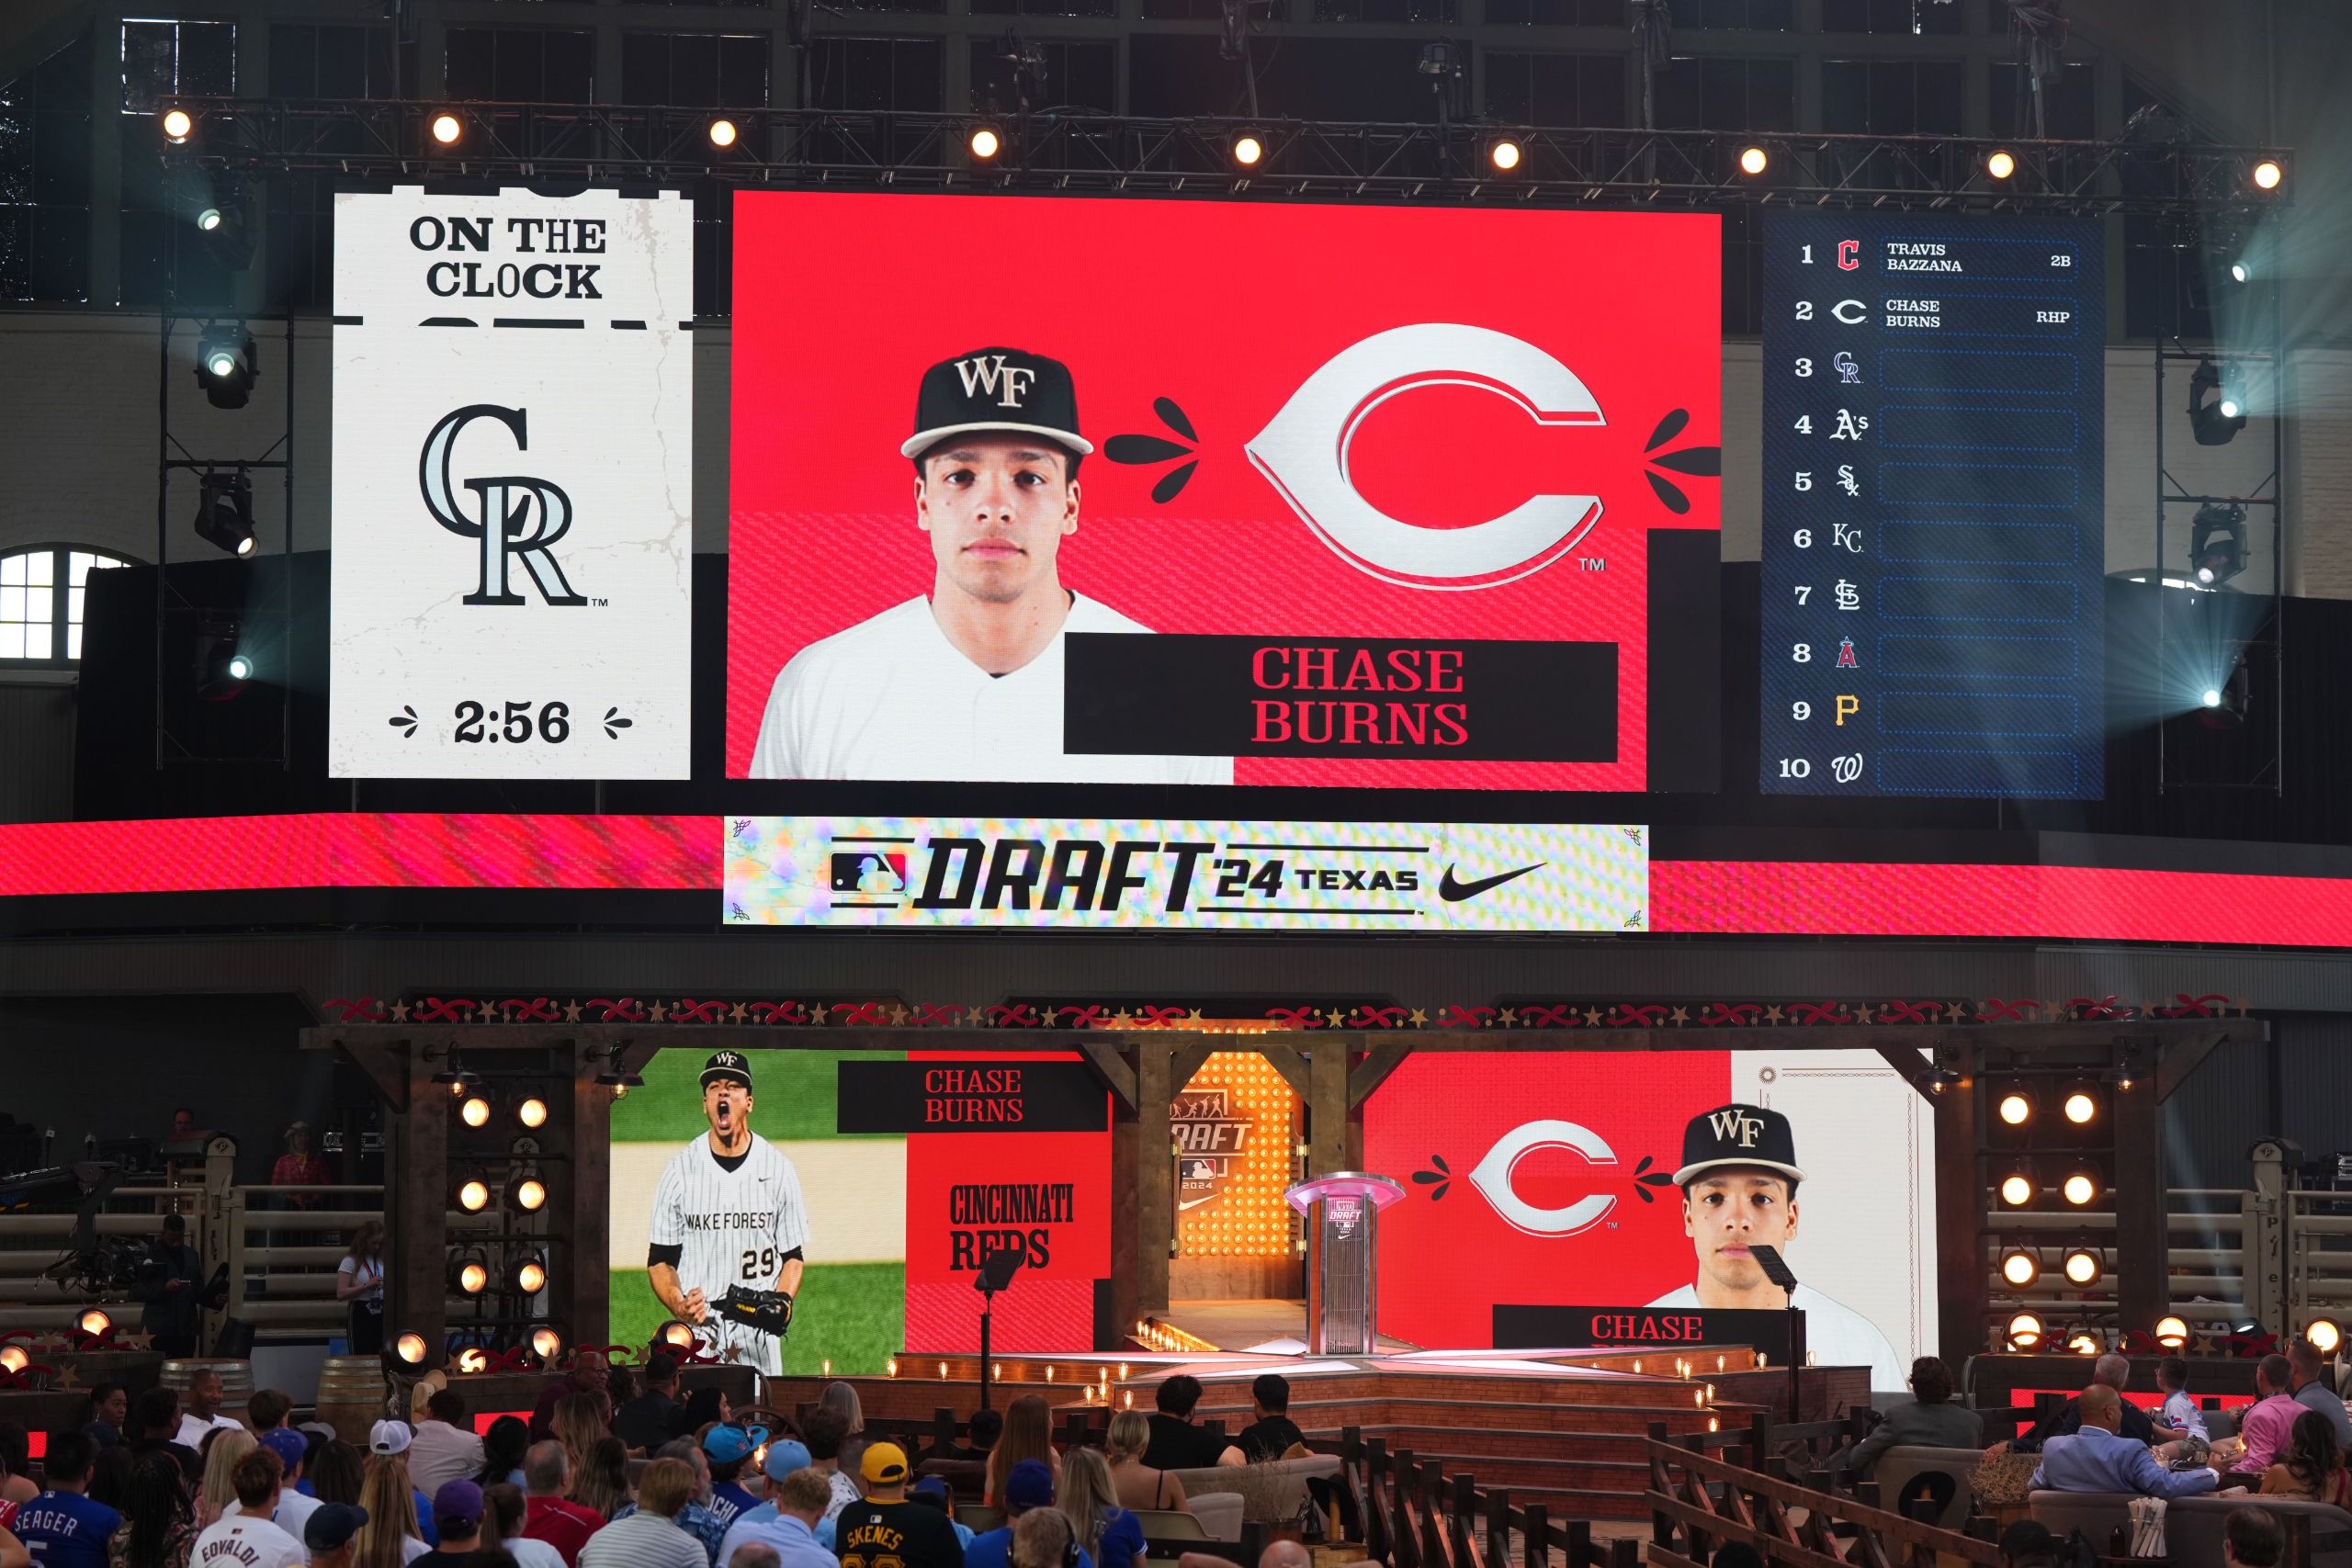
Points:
[(728, 1226)]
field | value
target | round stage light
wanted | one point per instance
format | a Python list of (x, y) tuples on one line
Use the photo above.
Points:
[(2000, 166), (2212, 698), (410, 1349), (95, 1323), (2324, 1336), (208, 219), (1752, 160), (2268, 173), (532, 1113), (220, 363), (178, 125), (2080, 1107), (13, 1359), (2082, 1266), (2016, 1189), (473, 1359), (241, 667), (473, 1195), (677, 1335), (985, 142), (530, 1195), (2171, 1332), (546, 1344), (722, 133), (2232, 407), (1246, 151), (472, 1279), (1504, 155), (447, 128), (2239, 272), (2016, 1108), (530, 1277), (2080, 1188), (2025, 1332), (475, 1112), (2020, 1268), (2082, 1342)]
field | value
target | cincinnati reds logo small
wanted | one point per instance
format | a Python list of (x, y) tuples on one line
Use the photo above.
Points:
[(1493, 1177), (516, 516)]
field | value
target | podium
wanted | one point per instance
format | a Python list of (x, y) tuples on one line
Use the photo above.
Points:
[(1342, 1213)]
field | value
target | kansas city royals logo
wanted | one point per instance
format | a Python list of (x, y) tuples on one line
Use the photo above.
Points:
[(515, 516), (1732, 1127), (1008, 384)]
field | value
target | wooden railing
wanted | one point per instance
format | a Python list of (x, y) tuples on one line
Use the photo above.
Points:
[(1696, 1503), (1412, 1515)]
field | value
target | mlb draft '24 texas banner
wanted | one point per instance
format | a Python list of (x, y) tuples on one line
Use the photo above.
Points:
[(514, 413), (1096, 491), (1555, 1171), (1154, 875)]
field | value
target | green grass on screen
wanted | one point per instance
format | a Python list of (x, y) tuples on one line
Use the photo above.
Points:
[(793, 1095), (852, 1314)]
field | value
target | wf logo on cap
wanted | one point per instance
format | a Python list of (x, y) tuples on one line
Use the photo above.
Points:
[(1733, 1125), (1008, 384)]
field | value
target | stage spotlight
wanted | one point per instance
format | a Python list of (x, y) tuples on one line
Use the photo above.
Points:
[(222, 671), (447, 129), (473, 1195), (13, 1360), (546, 1344), (2016, 1108), (677, 1334), (2017, 1187), (409, 1349), (2217, 542), (2239, 272), (1247, 150), (1504, 154), (2172, 1333), (468, 1277), (2081, 1265), (2212, 698), (1752, 160), (95, 1323), (2268, 174), (2324, 1336), (2081, 1106), (2080, 1186), (722, 133), (225, 366), (178, 125), (240, 666), (532, 1113), (473, 1359), (2000, 164), (2025, 1332), (475, 1112), (224, 512), (208, 219), (530, 1195), (984, 144), (2213, 419), (528, 1276), (2020, 1266), (2082, 1342)]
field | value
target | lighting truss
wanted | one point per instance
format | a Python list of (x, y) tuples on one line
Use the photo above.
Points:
[(373, 141)]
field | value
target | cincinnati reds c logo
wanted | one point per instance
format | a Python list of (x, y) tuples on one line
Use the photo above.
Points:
[(1304, 452), (1493, 1179)]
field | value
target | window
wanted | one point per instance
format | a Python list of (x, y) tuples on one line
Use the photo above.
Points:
[(328, 62), (1557, 13), (694, 69), (1928, 16), (1555, 89), (1714, 93), (1391, 11), (164, 59), (41, 603), (2070, 104), (1077, 77), (1890, 98), (521, 65), (45, 179), (1756, 16)]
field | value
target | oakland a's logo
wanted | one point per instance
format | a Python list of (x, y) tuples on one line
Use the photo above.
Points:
[(514, 514)]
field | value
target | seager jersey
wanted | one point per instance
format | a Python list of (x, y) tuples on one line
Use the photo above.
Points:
[(731, 1228)]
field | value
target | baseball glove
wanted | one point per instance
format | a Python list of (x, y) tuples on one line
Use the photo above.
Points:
[(770, 1312)]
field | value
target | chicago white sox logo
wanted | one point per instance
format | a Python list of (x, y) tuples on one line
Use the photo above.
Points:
[(518, 516), (990, 373), (1730, 1126), (1493, 1177)]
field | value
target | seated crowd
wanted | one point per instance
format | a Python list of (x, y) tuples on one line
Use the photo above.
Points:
[(649, 1482)]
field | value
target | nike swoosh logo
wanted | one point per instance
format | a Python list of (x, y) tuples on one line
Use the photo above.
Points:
[(1453, 892), (1196, 1202)]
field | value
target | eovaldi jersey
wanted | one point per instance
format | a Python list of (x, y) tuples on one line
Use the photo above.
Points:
[(731, 1228)]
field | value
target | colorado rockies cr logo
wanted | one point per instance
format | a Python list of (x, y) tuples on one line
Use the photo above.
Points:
[(517, 515)]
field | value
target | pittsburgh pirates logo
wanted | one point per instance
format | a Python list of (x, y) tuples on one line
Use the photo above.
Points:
[(515, 516), (1008, 384)]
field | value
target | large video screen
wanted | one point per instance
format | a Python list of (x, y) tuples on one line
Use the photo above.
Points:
[(869, 1186), (1099, 491), (1557, 1172)]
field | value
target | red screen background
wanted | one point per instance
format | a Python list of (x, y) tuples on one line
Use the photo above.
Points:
[(841, 301)]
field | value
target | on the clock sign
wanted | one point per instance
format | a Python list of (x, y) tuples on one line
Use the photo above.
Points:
[(517, 723)]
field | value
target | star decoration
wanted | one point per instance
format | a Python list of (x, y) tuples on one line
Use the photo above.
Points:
[(1123, 1018), (1337, 1017), (1678, 1015), (1420, 1018), (1773, 1014), (400, 1012), (1509, 1016), (737, 1013), (656, 1012), (1196, 1017), (571, 1011), (1592, 1017), (66, 1378), (898, 1013)]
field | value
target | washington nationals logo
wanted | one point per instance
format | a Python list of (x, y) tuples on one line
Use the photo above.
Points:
[(516, 516)]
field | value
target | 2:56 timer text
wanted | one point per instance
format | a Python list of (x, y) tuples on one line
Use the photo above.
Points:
[(515, 723)]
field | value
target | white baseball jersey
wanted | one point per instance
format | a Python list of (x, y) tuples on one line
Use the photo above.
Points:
[(1834, 1335), (892, 698), (731, 1228)]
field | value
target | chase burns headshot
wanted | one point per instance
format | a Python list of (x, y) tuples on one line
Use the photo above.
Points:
[(966, 681), (1739, 1178)]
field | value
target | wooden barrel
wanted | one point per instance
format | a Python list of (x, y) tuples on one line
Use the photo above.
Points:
[(351, 1396), (236, 1381)]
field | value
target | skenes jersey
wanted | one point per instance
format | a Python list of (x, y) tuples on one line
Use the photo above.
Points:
[(892, 698), (731, 1228)]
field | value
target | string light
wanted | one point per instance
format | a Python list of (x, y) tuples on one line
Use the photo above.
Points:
[(893, 1364)]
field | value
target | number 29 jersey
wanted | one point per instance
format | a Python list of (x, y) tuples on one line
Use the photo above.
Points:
[(731, 1228)]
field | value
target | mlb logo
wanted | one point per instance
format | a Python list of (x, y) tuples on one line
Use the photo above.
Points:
[(869, 871)]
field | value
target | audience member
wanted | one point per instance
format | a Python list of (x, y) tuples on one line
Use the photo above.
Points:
[(601, 1485), (884, 1529), (158, 1526), (204, 1395), (109, 1475), (1932, 1419), (444, 1447), (332, 1535), (502, 1519), (649, 1537), (338, 1473), (644, 1423), (982, 1432), (2028, 1543), (2109, 1371), (109, 1412), (268, 1407), (788, 1522), (359, 1285), (577, 1422), (705, 1407), (2253, 1538), (2312, 1467), (57, 1525), (293, 1510), (2096, 1458), (759, 1554), (727, 1450), (300, 1166), (2307, 1381), (16, 1483), (931, 1493), (245, 1535), (548, 1515), (695, 1518), (785, 1457), (1272, 1436), (215, 1494), (1110, 1534), (502, 1448), (390, 1538), (457, 1514), (842, 1397), (1177, 1442), (155, 1425), (1278, 1555), (167, 1284), (387, 1443), (1041, 1538), (1139, 1486), (824, 1432), (1027, 1435), (1028, 1489), (584, 1373), (2265, 1426), (2180, 1419)]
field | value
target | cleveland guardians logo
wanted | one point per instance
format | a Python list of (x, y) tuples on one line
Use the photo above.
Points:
[(514, 514)]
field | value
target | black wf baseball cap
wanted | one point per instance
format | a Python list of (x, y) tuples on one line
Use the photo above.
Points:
[(996, 389), (727, 1065), (1737, 1134)]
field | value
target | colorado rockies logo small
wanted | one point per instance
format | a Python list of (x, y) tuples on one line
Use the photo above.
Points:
[(515, 516)]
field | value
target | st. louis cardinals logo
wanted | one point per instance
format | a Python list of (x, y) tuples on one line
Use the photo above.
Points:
[(514, 514)]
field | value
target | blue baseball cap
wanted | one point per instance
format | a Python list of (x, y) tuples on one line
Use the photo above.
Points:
[(457, 1503), (784, 1456), (331, 1524), (728, 1444), (288, 1444), (1031, 1486)]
